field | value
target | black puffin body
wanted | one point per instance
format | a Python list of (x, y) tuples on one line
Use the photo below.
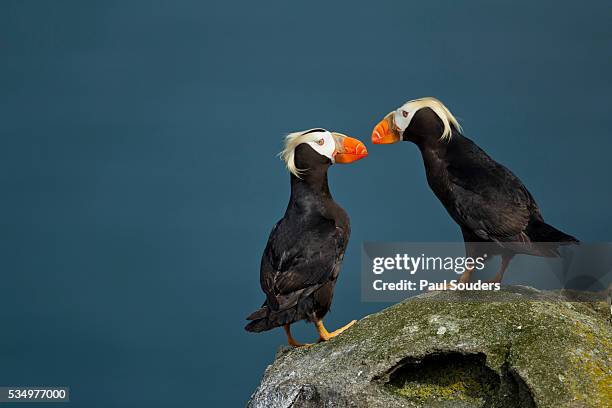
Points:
[(303, 256), (302, 259), (486, 200)]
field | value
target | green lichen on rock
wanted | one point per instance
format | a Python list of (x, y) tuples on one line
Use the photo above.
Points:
[(446, 378), (516, 347)]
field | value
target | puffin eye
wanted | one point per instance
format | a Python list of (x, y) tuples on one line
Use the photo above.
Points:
[(321, 142), (404, 114)]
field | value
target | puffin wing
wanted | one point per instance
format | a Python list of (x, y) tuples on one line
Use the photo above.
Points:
[(491, 201), (291, 272)]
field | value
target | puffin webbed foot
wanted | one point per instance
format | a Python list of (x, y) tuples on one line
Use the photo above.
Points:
[(324, 335), (292, 342), (504, 265), (466, 276), (496, 279)]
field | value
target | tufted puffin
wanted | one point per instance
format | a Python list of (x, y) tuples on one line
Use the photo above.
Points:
[(303, 256), (490, 204)]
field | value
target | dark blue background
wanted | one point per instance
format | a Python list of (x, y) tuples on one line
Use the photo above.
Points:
[(139, 180)]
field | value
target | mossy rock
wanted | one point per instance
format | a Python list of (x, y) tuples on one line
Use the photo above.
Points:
[(518, 347)]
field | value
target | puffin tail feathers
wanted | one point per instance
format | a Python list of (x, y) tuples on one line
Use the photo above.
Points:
[(259, 320), (259, 313), (547, 233), (547, 240), (265, 318)]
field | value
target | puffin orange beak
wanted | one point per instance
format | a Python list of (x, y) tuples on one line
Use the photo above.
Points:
[(348, 149), (384, 132)]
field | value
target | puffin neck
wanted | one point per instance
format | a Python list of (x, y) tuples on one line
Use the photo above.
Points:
[(310, 184), (438, 147)]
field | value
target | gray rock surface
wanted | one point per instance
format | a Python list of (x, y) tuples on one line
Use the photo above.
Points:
[(519, 347)]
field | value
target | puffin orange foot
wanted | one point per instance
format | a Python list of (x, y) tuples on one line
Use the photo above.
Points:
[(496, 279), (292, 342), (504, 265), (324, 335), (466, 276)]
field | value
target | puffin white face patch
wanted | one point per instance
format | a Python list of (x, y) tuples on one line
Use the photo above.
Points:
[(323, 143), (402, 118)]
